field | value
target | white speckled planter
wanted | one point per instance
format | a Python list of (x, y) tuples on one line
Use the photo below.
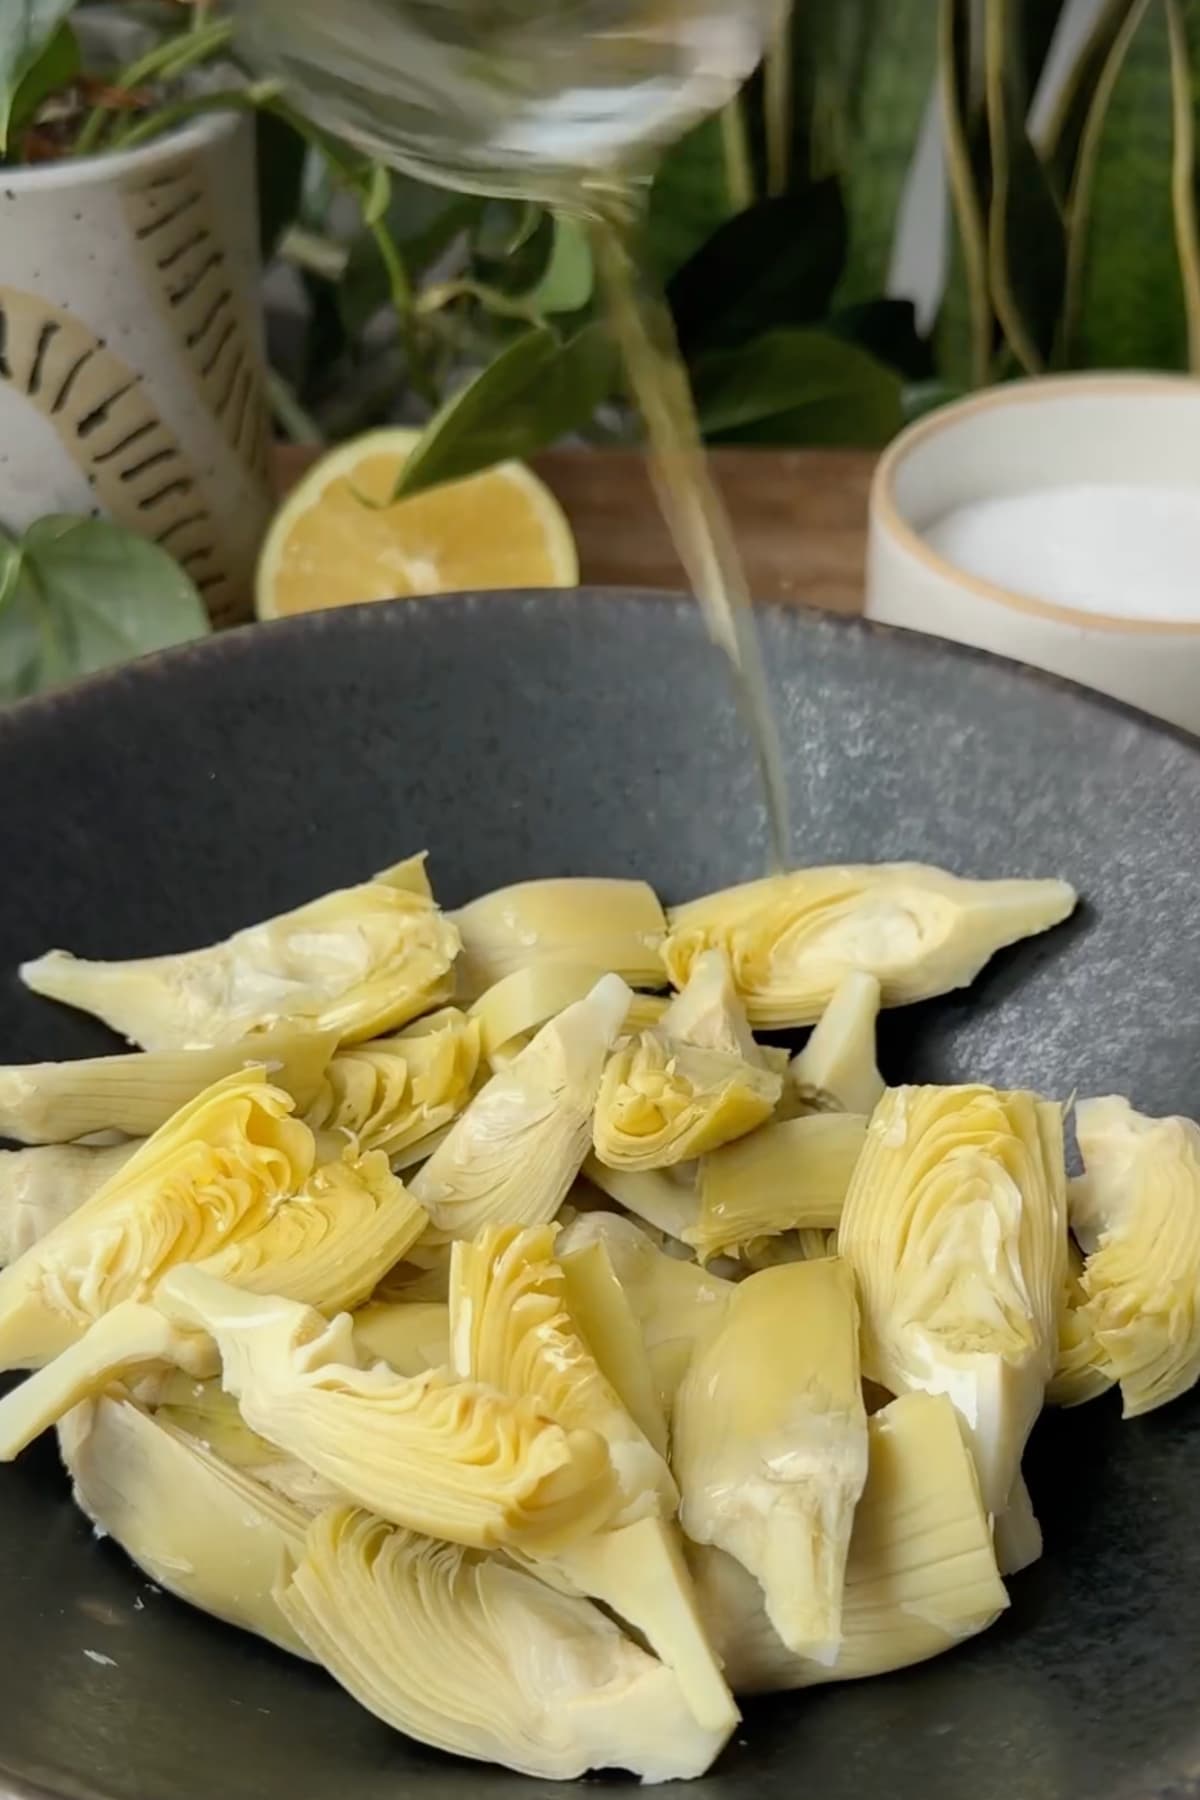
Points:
[(132, 379)]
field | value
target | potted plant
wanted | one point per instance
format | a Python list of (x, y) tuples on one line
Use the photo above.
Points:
[(132, 374)]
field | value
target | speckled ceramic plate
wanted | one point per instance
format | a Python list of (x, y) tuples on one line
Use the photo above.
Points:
[(162, 806)]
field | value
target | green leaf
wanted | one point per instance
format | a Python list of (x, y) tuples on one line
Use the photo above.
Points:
[(57, 66), (535, 392), (88, 594), (26, 28), (694, 193), (569, 278), (1183, 20), (1126, 303), (895, 81), (965, 330), (888, 329), (1037, 26), (775, 265), (797, 387), (1059, 142), (421, 223), (1027, 253)]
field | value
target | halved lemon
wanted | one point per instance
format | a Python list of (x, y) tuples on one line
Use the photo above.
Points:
[(501, 529)]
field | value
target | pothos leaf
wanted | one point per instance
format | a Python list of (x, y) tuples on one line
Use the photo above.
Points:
[(26, 28)]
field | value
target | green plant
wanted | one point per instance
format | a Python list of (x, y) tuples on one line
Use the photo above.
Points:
[(771, 225)]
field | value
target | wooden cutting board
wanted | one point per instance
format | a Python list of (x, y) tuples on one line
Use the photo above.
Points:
[(800, 516)]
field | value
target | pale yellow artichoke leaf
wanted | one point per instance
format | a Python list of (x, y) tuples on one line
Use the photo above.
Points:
[(206, 1532), (511, 1329), (676, 1303), (479, 1658), (604, 1316), (396, 1093), (662, 1102), (955, 1224), (125, 1342), (608, 926), (453, 1458), (409, 1335), (639, 1572), (509, 1013), (790, 1176), (41, 1187), (708, 1013), (1136, 1213), (1081, 1368), (56, 1103), (213, 1174), (665, 1199), (770, 1443), (836, 1071), (330, 1244), (357, 962), (807, 1245), (921, 1575), (512, 1156), (1016, 1533), (791, 939)]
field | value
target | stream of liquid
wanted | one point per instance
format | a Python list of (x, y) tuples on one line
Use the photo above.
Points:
[(548, 100)]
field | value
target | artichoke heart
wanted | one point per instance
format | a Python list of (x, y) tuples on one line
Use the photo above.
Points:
[(921, 1575), (792, 1176), (676, 1303), (955, 1224), (1081, 1369), (54, 1103), (394, 1093), (357, 962), (511, 1329), (791, 939), (204, 1531), (204, 1411), (1136, 1213), (512, 1155), (41, 1187), (476, 1657), (210, 1177), (663, 1102), (836, 1071), (452, 1458), (603, 925), (770, 1444), (331, 1243), (509, 1013)]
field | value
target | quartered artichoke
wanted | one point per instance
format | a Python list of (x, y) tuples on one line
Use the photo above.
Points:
[(664, 1199), (787, 1177), (452, 1458), (836, 1071), (198, 1527), (921, 1574), (330, 1244), (791, 939), (394, 1093), (53, 1103), (604, 1316), (511, 1329), (600, 924), (357, 962), (409, 1335), (709, 1013), (663, 1102), (210, 1177), (41, 1187), (955, 1224), (512, 1155), (477, 1657), (676, 1303), (509, 1013), (770, 1443), (1136, 1213)]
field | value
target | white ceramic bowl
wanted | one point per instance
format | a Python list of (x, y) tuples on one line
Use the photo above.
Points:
[(1129, 429)]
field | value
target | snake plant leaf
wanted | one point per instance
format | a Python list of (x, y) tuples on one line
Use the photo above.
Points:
[(966, 325), (1125, 291), (1026, 235), (1059, 139), (895, 81)]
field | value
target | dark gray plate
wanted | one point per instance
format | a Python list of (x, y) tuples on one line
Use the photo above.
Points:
[(163, 806)]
